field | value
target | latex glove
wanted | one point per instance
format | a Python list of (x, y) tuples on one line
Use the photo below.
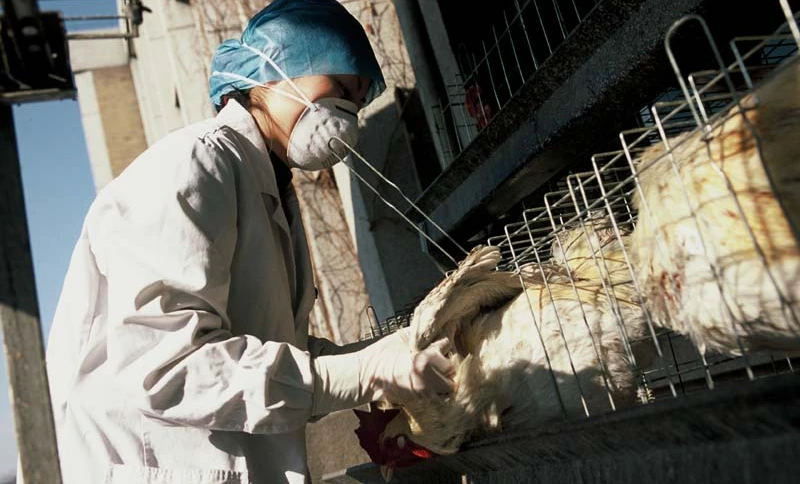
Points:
[(386, 369)]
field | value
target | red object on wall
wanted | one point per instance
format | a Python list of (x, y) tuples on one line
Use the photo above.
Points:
[(477, 107)]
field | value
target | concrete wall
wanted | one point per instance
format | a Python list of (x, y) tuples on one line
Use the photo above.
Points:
[(106, 95), (93, 130), (85, 55), (116, 99)]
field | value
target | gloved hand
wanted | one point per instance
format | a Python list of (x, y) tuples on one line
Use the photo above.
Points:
[(386, 369)]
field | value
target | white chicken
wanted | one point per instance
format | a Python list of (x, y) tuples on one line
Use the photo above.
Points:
[(529, 347), (719, 262)]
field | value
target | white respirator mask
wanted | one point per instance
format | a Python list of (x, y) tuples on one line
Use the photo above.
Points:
[(310, 140)]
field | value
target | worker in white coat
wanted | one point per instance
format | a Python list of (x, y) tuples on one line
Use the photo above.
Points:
[(179, 352)]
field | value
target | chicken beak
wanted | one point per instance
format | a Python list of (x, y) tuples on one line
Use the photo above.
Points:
[(387, 473)]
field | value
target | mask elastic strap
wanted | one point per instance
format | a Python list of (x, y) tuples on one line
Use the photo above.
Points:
[(303, 98)]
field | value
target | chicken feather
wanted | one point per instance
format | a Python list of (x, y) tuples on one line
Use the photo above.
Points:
[(532, 346), (473, 286)]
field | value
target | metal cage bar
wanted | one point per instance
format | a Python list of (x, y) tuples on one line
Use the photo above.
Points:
[(497, 70)]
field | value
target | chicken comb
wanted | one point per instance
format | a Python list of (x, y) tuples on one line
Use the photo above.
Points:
[(372, 425)]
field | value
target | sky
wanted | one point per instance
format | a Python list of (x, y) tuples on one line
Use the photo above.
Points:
[(58, 188)]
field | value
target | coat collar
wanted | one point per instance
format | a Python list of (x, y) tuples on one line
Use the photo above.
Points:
[(238, 118)]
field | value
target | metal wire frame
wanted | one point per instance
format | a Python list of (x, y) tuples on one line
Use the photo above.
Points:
[(492, 73), (665, 374), (705, 100), (379, 328), (602, 199)]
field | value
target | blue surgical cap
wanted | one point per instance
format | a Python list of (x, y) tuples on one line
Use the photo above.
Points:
[(303, 38)]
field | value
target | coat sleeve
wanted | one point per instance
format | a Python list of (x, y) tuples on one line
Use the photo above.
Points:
[(165, 241), (325, 347)]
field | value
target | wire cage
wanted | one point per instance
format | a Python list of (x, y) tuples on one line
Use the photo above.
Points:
[(671, 264), (495, 59), (378, 328), (682, 230)]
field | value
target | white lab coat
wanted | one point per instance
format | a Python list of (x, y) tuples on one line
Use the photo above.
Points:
[(178, 349)]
